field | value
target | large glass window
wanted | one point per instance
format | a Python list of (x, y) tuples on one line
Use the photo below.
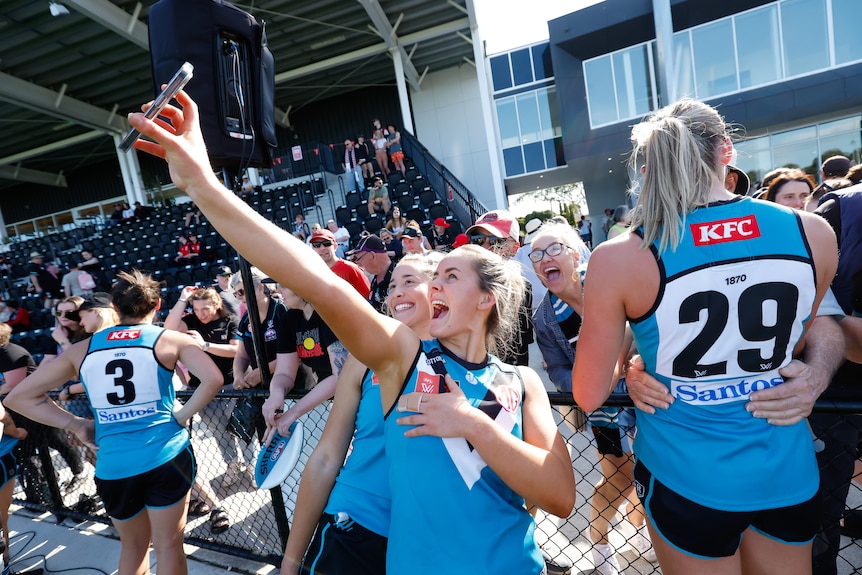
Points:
[(528, 118), (754, 157), (846, 19), (522, 67), (600, 91), (714, 60), (806, 42), (683, 70), (632, 80), (757, 43), (507, 120)]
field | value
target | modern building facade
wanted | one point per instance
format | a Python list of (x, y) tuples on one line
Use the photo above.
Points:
[(787, 73)]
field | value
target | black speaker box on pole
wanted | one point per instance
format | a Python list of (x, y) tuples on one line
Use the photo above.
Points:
[(233, 81)]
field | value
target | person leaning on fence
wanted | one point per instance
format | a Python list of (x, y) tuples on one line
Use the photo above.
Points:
[(493, 459), (331, 488), (699, 321), (554, 253), (145, 465), (246, 371), (214, 331)]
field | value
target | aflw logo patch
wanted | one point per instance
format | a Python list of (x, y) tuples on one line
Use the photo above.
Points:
[(734, 229), (124, 335)]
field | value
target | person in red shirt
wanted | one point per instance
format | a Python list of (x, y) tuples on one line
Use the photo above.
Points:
[(323, 242), (19, 318)]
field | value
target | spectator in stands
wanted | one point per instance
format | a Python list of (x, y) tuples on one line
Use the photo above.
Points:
[(91, 264), (371, 255), (196, 249), (213, 329), (364, 156), (128, 212), (342, 237), (246, 187), (393, 245), (441, 240), (70, 283), (396, 152), (97, 312), (4, 312), (5, 266), (352, 169), (397, 222), (378, 197), (185, 253), (145, 465), (222, 287), (498, 231), (53, 282), (41, 282), (116, 215), (142, 211), (324, 244), (585, 229), (378, 138), (193, 213), (19, 318), (300, 228), (412, 241)]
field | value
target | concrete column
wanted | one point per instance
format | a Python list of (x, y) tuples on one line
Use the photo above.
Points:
[(483, 79), (131, 172), (403, 98), (664, 51)]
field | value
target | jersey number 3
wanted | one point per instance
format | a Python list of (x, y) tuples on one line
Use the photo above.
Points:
[(122, 370), (752, 328)]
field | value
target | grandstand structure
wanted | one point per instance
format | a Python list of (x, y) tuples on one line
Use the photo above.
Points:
[(150, 243)]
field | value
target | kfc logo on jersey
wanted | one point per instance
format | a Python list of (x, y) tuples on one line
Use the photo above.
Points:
[(124, 335), (428, 383), (732, 230)]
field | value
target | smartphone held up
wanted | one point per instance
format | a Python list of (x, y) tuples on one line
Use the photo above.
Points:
[(180, 79)]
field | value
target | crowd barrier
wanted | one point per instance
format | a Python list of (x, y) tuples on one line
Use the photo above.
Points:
[(258, 524)]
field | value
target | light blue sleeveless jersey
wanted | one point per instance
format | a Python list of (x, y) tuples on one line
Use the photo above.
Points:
[(362, 487), (730, 309), (450, 512), (132, 396)]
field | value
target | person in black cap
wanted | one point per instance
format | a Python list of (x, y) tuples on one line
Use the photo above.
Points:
[(736, 181), (835, 167), (371, 255), (97, 312), (222, 286)]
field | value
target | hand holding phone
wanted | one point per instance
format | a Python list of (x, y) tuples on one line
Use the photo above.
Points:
[(180, 79)]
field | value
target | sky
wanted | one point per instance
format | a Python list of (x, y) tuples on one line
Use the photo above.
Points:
[(508, 24)]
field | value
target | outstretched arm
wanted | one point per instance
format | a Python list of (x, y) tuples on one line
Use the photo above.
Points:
[(379, 342)]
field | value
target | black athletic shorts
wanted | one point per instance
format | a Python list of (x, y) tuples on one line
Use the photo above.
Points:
[(341, 546), (710, 533), (163, 486), (8, 468)]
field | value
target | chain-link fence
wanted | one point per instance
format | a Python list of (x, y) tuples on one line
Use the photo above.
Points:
[(257, 525)]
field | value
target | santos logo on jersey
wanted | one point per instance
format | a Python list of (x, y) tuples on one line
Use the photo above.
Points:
[(126, 413), (706, 393), (734, 229), (124, 335)]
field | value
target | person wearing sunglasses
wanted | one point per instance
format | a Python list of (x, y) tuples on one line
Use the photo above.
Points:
[(555, 255), (324, 244)]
